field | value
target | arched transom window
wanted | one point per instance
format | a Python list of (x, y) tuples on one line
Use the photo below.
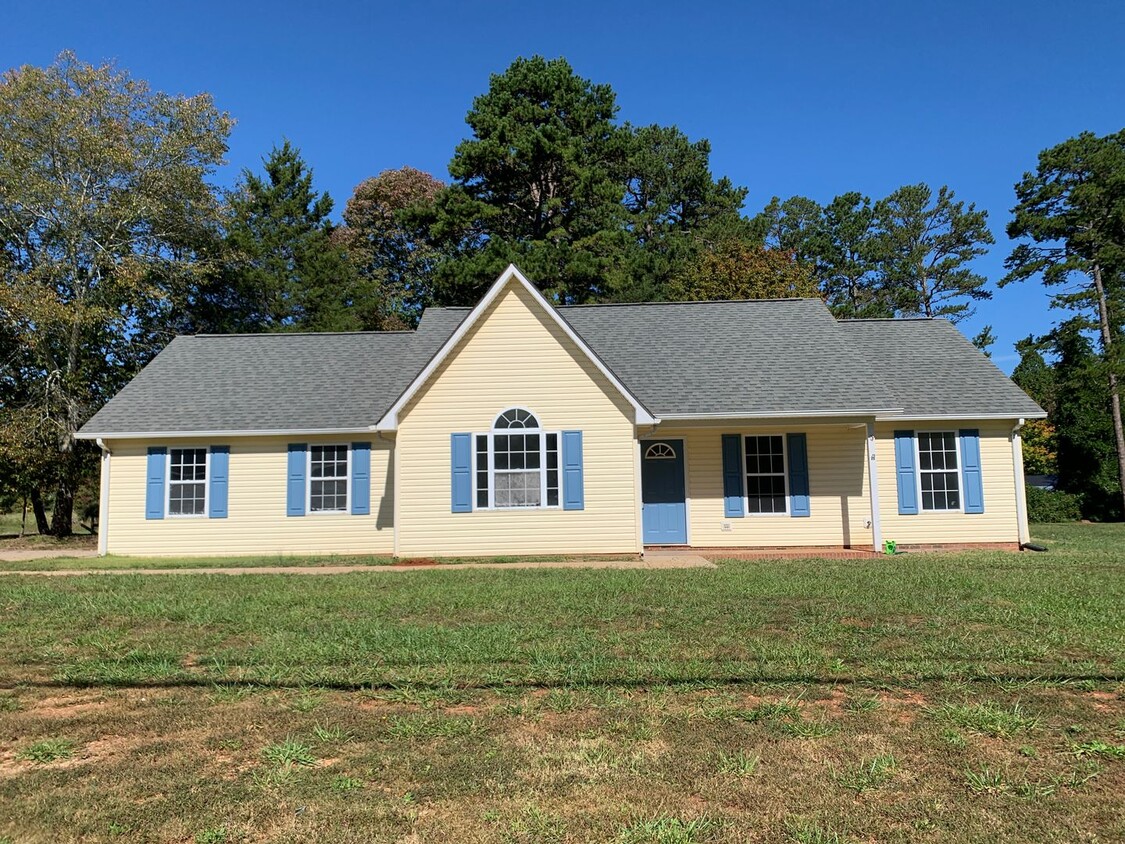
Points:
[(517, 463), (660, 451)]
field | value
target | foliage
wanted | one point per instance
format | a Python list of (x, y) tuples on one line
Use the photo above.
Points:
[(738, 269), (386, 247), (925, 245), (1040, 447), (985, 340), (283, 271), (104, 211), (1070, 219), (1052, 505)]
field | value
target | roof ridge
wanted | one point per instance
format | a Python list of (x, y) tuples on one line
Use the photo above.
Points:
[(263, 334), (690, 302)]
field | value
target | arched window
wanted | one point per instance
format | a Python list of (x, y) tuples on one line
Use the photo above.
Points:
[(660, 451), (517, 463)]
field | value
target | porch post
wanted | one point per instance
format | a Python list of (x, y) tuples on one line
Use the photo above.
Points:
[(873, 483), (103, 501)]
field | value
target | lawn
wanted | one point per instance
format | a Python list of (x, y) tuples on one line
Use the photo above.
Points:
[(956, 697)]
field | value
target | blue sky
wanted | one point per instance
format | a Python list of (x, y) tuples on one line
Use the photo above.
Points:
[(810, 98)]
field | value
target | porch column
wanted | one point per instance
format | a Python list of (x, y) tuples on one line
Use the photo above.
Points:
[(873, 483)]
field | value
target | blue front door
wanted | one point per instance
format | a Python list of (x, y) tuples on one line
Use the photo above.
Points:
[(662, 492)]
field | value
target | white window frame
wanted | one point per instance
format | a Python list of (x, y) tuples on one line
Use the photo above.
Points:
[(309, 481), (746, 475), (206, 482), (543, 434), (960, 472)]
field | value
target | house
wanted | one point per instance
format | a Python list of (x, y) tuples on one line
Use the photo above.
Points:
[(516, 427)]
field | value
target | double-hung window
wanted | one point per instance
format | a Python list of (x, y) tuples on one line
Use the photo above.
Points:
[(187, 482), (328, 479), (938, 470), (516, 463), (765, 475)]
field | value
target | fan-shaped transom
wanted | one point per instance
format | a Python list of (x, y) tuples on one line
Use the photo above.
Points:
[(516, 417), (660, 451)]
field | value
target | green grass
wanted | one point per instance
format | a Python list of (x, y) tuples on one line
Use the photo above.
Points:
[(48, 750), (952, 698)]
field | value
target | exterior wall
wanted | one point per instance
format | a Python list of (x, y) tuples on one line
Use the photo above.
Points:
[(840, 509), (998, 522), (515, 356), (256, 522)]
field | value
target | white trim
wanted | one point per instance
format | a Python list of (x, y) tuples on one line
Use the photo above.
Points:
[(279, 432), (103, 501), (873, 490), (309, 479), (784, 473), (389, 420), (206, 482), (638, 501), (783, 414), (960, 472), (1023, 531), (542, 433), (955, 417)]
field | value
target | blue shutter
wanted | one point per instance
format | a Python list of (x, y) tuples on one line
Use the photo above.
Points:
[(904, 473), (461, 460), (733, 504), (295, 504), (361, 479), (218, 480), (574, 494), (798, 475), (154, 486), (973, 494)]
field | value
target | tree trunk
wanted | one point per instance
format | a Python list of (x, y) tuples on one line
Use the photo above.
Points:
[(1114, 386), (23, 519), (62, 519), (41, 523)]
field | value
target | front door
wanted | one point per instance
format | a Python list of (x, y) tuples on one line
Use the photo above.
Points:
[(663, 500)]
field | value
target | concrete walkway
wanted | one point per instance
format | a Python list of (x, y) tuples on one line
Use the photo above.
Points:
[(684, 561)]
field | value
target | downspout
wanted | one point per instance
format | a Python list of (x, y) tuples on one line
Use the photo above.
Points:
[(1021, 488), (393, 469), (103, 500), (873, 484)]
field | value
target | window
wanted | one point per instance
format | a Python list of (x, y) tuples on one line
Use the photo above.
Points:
[(938, 472), (765, 475), (660, 451), (517, 464), (328, 479), (187, 482)]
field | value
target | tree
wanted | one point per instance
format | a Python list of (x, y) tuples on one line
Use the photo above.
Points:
[(1070, 214), (795, 225), (387, 249), (741, 269), (1036, 377), (925, 245), (539, 183), (985, 340), (103, 198), (284, 271), (847, 263), (1084, 432)]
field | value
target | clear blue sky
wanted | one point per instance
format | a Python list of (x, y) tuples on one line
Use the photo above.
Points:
[(810, 98)]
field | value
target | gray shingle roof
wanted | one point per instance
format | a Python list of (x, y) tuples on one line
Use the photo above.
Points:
[(931, 369), (273, 382), (735, 358), (749, 358)]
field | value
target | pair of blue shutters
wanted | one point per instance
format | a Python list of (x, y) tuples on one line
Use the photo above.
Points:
[(972, 496), (461, 472), (734, 502), (296, 480), (218, 481)]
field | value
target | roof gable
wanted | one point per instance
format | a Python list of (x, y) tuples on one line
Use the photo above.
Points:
[(510, 276)]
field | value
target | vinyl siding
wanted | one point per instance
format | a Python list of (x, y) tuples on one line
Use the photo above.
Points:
[(256, 522), (998, 522), (839, 503), (515, 356)]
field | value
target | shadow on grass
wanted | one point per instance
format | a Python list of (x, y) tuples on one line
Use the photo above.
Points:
[(531, 685)]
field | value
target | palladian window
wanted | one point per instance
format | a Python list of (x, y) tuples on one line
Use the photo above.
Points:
[(517, 463)]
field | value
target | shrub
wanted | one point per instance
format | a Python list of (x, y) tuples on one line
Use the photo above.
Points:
[(1052, 505)]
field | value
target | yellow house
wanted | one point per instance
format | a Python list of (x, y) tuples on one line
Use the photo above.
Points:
[(517, 427)]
